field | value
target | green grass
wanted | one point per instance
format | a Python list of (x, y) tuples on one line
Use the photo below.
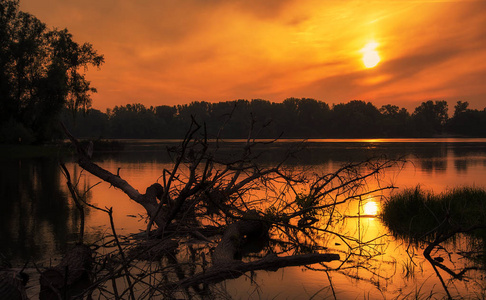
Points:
[(416, 214)]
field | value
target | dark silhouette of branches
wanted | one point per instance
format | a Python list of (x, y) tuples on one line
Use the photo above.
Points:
[(231, 207)]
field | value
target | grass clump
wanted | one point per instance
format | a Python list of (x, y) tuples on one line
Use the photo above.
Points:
[(416, 214)]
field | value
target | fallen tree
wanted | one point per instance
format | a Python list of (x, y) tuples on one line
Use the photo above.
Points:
[(70, 277), (234, 269), (218, 209)]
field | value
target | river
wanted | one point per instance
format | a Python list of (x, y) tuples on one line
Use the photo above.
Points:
[(38, 219)]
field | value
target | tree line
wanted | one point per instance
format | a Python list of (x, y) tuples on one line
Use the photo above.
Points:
[(293, 118), (42, 81)]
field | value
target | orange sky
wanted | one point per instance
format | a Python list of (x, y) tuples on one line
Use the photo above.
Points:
[(166, 52)]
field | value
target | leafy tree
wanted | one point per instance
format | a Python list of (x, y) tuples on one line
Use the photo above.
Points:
[(356, 119), (389, 110), (69, 58), (91, 123), (263, 113), (294, 118), (133, 121), (460, 108), (165, 120), (41, 71), (235, 115), (429, 118), (467, 122), (305, 117), (394, 121)]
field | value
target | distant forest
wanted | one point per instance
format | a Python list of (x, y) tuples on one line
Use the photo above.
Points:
[(42, 82), (293, 118)]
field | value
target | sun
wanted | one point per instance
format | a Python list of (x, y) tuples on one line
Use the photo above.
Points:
[(371, 208), (370, 56)]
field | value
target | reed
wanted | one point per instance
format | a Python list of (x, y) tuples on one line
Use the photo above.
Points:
[(417, 214)]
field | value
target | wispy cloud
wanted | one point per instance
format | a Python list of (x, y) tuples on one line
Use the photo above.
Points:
[(173, 51)]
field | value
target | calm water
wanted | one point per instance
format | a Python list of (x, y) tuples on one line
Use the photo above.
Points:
[(38, 219)]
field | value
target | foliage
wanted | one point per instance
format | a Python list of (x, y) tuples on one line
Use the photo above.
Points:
[(293, 118), (90, 123), (467, 122), (355, 119), (395, 121), (41, 72), (429, 118)]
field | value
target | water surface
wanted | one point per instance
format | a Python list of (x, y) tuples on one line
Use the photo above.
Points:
[(38, 218)]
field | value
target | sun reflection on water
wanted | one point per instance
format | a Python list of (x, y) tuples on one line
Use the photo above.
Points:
[(371, 208), (382, 263)]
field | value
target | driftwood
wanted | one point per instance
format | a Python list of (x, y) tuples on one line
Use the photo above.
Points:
[(236, 236), (70, 277), (234, 269), (202, 186), (12, 285), (153, 249), (226, 264), (147, 200)]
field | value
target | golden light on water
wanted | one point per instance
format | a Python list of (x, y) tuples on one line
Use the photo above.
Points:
[(370, 208), (370, 56)]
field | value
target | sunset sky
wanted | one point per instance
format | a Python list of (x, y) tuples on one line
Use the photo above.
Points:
[(167, 52)]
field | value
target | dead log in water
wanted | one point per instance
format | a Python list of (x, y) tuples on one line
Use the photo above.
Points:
[(235, 237), (227, 255), (70, 277), (12, 285), (234, 269)]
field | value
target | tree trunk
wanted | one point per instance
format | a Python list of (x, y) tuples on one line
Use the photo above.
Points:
[(70, 277), (235, 269), (235, 236)]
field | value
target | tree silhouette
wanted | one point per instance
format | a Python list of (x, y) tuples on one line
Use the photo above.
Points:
[(293, 118), (467, 122), (395, 121), (355, 119), (429, 118), (41, 71)]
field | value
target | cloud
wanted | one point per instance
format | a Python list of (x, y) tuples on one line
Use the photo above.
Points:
[(172, 51)]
